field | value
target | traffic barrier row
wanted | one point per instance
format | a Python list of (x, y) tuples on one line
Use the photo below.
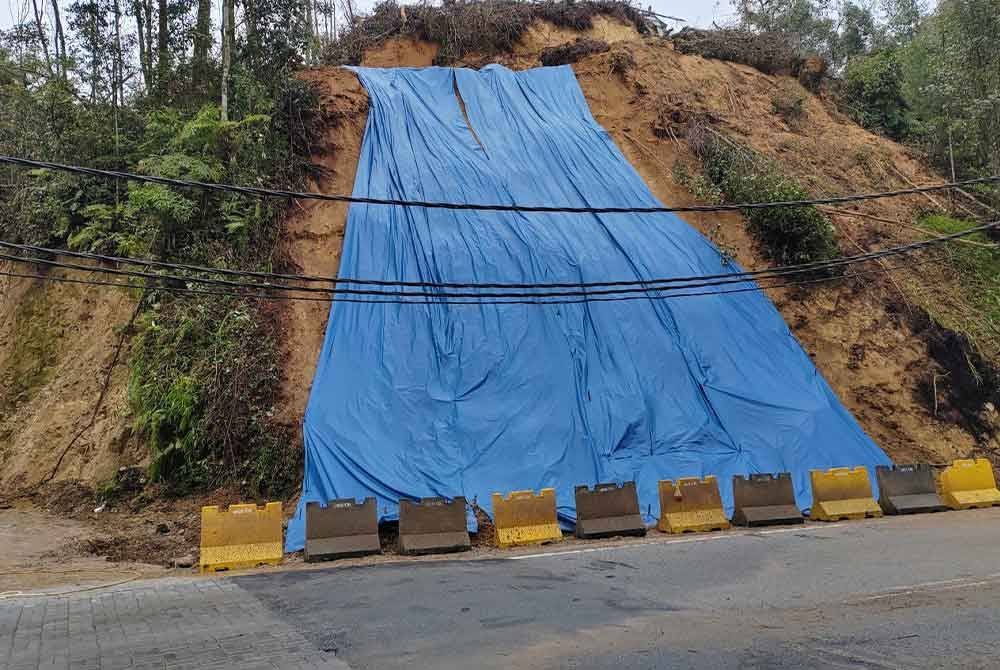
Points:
[(525, 518), (907, 489), (342, 529), (969, 483), (435, 525), (247, 535)]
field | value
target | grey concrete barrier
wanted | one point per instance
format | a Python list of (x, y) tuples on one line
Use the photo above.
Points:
[(433, 525), (341, 529), (608, 510), (764, 500), (907, 489)]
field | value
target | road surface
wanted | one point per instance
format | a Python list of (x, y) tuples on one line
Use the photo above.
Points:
[(894, 593)]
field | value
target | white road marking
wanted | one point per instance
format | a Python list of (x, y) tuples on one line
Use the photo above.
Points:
[(798, 529), (705, 537), (940, 585)]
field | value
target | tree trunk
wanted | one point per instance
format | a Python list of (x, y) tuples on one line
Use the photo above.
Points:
[(60, 40), (140, 27), (95, 56), (142, 21), (250, 19), (202, 42), (117, 79), (311, 41), (227, 53), (148, 5), (162, 49), (41, 35)]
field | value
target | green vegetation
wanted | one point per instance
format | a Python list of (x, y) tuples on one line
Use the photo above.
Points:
[(204, 380), (204, 372), (979, 265), (931, 79), (873, 94), (952, 83), (162, 101), (788, 101), (928, 75), (787, 235), (698, 183)]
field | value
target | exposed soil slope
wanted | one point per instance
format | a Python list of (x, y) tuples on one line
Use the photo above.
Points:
[(857, 331), (314, 232), (57, 344), (867, 336)]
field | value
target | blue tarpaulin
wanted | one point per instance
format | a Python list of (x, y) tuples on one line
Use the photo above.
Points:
[(415, 400)]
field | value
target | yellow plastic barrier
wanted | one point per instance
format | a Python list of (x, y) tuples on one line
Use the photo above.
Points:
[(524, 518), (243, 536), (968, 483), (842, 493), (691, 505)]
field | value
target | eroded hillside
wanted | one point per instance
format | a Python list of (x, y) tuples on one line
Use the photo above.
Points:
[(897, 371), (62, 347), (870, 337)]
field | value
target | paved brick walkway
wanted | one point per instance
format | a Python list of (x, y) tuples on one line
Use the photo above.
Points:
[(169, 624)]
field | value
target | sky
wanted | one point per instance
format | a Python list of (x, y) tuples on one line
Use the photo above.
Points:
[(699, 13)]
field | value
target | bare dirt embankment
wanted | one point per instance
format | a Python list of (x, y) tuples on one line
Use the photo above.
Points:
[(58, 346), (858, 332)]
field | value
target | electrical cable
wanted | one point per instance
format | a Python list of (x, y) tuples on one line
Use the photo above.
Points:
[(645, 287), (639, 286), (425, 204), (445, 301), (404, 294)]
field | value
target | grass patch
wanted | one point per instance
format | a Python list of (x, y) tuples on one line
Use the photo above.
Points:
[(698, 184), (978, 267), (788, 101), (786, 235)]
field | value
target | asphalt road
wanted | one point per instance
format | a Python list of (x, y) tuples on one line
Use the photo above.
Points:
[(894, 593), (912, 592)]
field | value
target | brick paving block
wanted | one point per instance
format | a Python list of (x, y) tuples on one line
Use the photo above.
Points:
[(169, 624)]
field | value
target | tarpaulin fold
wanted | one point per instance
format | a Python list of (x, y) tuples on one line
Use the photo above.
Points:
[(415, 400)]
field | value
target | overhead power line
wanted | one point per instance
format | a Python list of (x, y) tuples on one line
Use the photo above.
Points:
[(289, 292), (582, 289), (426, 204), (439, 301), (147, 262)]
